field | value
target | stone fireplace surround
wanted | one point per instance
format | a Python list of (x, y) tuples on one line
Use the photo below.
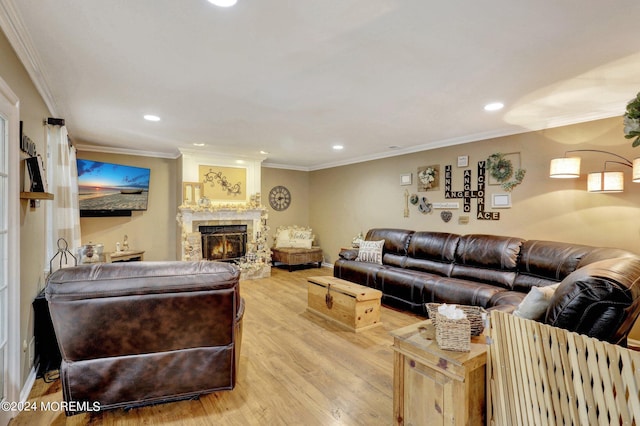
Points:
[(258, 255)]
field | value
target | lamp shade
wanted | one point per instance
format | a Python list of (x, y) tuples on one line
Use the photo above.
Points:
[(605, 182), (565, 167), (636, 170)]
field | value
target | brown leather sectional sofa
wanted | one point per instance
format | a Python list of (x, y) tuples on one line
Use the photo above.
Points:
[(139, 333), (599, 294)]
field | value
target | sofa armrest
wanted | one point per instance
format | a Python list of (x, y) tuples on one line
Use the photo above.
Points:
[(348, 254)]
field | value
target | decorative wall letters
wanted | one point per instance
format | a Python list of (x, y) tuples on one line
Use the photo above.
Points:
[(467, 194)]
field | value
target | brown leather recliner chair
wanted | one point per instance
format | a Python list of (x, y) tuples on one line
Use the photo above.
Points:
[(140, 333)]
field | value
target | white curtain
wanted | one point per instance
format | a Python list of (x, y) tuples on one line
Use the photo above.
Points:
[(64, 217)]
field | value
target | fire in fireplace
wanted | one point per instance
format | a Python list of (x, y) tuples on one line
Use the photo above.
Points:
[(223, 242)]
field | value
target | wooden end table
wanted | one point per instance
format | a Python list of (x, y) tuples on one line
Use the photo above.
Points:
[(435, 386)]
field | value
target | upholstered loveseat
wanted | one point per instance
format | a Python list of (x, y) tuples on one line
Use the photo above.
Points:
[(598, 292), (140, 333)]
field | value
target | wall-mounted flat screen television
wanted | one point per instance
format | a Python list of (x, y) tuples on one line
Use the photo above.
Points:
[(107, 189)]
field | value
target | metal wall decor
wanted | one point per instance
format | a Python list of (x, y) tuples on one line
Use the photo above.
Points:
[(446, 215), (424, 206), (406, 203), (212, 177)]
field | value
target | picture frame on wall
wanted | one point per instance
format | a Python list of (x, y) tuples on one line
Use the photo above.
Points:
[(406, 179), (501, 201), (191, 192), (428, 178), (37, 177), (463, 160)]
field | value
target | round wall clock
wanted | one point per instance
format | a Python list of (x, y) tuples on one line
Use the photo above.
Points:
[(279, 198)]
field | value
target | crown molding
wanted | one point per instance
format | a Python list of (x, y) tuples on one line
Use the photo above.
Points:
[(18, 36), (124, 151), (222, 155)]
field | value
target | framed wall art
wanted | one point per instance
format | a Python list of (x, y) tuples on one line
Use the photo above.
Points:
[(428, 178), (406, 179), (191, 192), (501, 201)]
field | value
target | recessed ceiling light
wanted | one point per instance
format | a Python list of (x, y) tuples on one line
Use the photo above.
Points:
[(494, 106), (263, 152), (338, 147), (198, 144), (150, 117), (223, 3)]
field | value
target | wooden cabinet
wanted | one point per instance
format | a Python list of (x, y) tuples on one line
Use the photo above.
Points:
[(432, 386)]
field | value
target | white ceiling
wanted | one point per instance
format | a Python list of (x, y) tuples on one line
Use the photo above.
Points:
[(293, 78)]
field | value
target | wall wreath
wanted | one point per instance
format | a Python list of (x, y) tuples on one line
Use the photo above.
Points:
[(501, 169)]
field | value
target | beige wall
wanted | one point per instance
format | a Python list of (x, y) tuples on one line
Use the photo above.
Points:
[(32, 232), (297, 183), (354, 198), (32, 249), (154, 230)]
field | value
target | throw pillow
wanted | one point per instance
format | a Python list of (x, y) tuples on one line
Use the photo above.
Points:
[(370, 252), (300, 243), (300, 235), (536, 302)]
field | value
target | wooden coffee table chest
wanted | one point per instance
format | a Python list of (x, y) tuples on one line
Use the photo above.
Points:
[(351, 305)]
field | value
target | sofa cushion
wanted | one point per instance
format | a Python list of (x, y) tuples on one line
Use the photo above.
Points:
[(506, 301), (395, 240), (458, 291), (487, 258), (542, 263), (357, 272), (370, 252), (432, 252), (600, 299), (404, 285)]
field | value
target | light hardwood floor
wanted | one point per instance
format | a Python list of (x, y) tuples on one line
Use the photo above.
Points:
[(295, 369)]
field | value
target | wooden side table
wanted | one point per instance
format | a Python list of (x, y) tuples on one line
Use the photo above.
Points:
[(434, 386)]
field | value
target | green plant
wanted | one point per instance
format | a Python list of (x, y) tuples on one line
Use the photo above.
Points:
[(632, 121)]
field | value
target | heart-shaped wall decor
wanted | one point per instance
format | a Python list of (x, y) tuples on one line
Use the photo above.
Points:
[(446, 215)]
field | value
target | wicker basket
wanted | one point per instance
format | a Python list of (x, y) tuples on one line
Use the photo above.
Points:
[(473, 313), (453, 335)]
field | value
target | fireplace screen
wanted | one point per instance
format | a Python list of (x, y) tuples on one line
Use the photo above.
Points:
[(223, 242)]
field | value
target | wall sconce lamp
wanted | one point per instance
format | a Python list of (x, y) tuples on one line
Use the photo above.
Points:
[(604, 181)]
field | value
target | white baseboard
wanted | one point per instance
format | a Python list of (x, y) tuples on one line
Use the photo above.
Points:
[(28, 385)]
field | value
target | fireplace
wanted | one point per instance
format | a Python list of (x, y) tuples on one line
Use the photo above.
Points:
[(223, 242)]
